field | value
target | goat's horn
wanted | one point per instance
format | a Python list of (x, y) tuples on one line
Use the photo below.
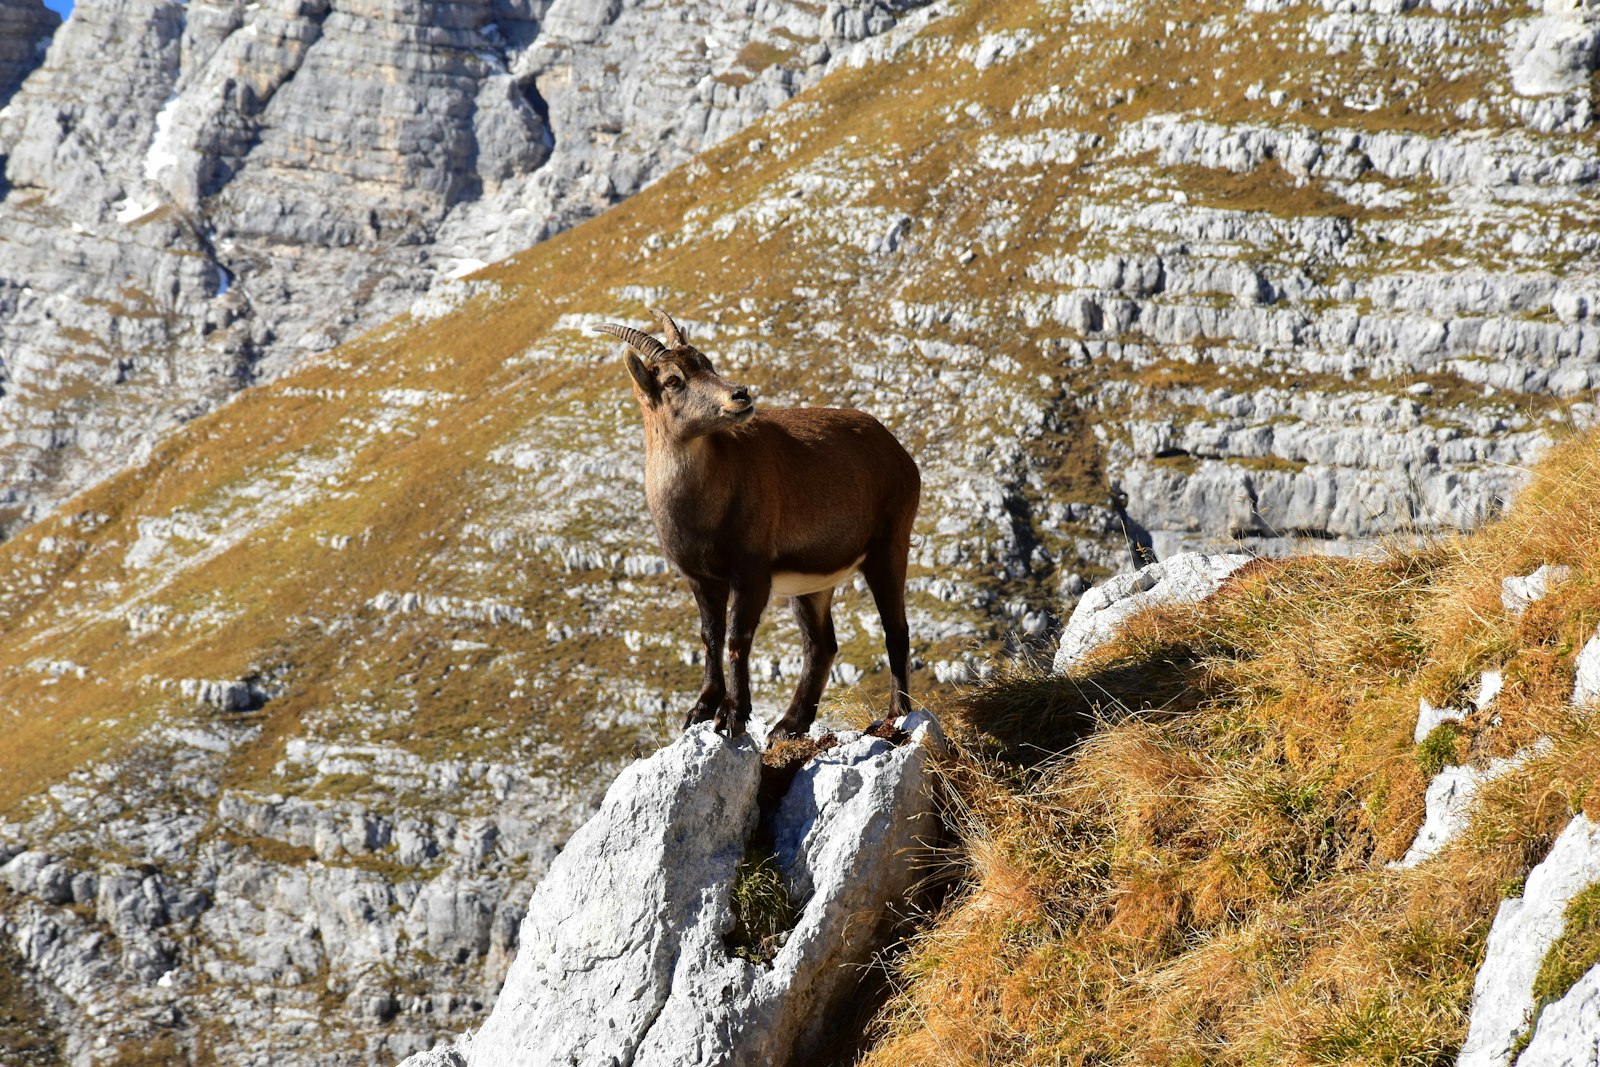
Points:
[(637, 338), (674, 335)]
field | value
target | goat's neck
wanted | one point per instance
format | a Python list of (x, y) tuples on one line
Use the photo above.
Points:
[(677, 473)]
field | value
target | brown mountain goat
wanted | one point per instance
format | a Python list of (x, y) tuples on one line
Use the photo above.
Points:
[(787, 501)]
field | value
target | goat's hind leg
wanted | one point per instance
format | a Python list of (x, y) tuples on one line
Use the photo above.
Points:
[(885, 572), (814, 613)]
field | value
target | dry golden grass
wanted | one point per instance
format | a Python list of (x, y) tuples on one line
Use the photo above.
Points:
[(1199, 874)]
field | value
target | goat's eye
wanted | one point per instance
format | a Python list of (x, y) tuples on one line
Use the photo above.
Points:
[(674, 383)]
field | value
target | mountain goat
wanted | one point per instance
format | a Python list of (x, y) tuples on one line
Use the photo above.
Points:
[(785, 501)]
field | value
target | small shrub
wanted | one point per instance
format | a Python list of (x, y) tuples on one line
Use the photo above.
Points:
[(1437, 749)]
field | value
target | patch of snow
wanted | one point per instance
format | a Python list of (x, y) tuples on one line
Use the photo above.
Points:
[(161, 156), (460, 268), (130, 210)]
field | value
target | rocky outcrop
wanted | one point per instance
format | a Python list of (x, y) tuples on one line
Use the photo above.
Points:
[(1519, 592), (200, 195), (339, 924), (1586, 684), (1569, 1033), (25, 29), (624, 955), (1183, 579), (1524, 928)]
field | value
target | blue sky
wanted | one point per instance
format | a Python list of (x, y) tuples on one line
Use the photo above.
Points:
[(60, 7)]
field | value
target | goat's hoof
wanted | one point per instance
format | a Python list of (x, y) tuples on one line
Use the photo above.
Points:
[(785, 729), (730, 722), (698, 714)]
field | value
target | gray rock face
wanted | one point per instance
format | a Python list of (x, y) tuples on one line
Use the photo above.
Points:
[(201, 194), (1282, 468), (25, 29), (622, 956), (1523, 931), (1185, 578), (404, 915), (1568, 1034)]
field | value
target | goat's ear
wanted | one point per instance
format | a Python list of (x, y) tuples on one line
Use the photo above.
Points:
[(642, 376)]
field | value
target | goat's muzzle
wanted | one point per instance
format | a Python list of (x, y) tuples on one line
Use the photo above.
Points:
[(739, 404)]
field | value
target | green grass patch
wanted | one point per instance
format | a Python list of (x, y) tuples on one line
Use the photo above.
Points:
[(763, 913), (1574, 952), (1437, 749)]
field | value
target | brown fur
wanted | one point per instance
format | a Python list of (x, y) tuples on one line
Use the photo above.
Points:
[(738, 495)]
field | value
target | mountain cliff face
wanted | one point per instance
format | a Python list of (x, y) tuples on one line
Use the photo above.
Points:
[(295, 709), (25, 29), (197, 195)]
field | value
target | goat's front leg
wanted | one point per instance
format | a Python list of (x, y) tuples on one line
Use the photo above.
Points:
[(711, 596), (750, 593)]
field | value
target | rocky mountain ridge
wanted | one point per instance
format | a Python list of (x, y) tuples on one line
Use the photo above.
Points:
[(198, 195), (306, 699), (25, 29)]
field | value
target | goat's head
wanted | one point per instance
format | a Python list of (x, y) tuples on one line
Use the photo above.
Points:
[(677, 388)]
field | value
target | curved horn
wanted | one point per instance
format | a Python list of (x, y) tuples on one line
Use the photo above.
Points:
[(638, 339), (674, 335)]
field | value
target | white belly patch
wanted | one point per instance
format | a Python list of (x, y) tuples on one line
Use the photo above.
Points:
[(793, 583)]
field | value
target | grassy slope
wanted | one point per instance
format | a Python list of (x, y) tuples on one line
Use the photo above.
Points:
[(1203, 878), (417, 488), (247, 579)]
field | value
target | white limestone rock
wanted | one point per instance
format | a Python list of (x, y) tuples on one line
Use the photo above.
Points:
[(1586, 687), (1568, 1034), (622, 957), (224, 694), (1517, 593), (1555, 53), (1489, 685), (1185, 578), (1523, 931), (1448, 811), (1449, 801)]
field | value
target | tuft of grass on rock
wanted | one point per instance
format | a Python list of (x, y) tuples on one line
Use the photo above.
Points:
[(762, 910), (1574, 952)]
